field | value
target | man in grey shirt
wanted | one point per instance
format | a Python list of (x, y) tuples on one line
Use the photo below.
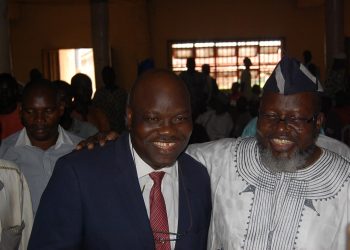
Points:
[(36, 148)]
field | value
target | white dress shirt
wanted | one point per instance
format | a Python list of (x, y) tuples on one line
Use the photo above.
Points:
[(170, 189), (36, 164)]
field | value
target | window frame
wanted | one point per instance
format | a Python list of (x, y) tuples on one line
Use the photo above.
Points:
[(259, 68)]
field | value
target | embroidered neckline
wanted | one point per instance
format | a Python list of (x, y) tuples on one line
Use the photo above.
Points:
[(323, 179)]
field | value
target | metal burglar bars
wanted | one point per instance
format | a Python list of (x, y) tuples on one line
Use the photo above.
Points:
[(226, 58)]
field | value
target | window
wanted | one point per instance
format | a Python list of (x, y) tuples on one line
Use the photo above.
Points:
[(63, 64), (73, 61), (226, 58)]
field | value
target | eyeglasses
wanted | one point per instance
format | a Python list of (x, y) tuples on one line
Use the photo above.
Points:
[(161, 237), (290, 121)]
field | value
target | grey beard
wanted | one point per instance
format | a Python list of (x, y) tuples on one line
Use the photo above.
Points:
[(291, 164)]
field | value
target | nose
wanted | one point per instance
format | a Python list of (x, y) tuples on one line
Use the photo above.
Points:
[(39, 117), (282, 124), (167, 127)]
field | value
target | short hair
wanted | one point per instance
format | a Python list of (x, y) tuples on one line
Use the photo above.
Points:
[(6, 77), (63, 86), (42, 84), (79, 78)]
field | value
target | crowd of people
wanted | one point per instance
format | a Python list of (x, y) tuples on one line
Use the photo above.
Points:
[(269, 175), (232, 114)]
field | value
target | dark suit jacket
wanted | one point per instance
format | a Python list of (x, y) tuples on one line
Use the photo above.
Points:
[(94, 201)]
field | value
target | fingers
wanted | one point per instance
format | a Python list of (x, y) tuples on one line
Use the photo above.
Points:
[(80, 145), (112, 135), (88, 142), (84, 144), (99, 138), (90, 145)]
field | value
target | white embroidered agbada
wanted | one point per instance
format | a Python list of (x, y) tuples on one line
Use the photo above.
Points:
[(254, 208), (16, 214)]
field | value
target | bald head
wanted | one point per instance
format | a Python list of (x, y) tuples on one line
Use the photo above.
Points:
[(159, 117), (153, 81)]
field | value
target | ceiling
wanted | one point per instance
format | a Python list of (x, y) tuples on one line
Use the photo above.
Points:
[(64, 1), (299, 3)]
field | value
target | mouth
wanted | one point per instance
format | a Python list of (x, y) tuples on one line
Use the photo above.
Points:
[(165, 146), (40, 130), (281, 144), (281, 141)]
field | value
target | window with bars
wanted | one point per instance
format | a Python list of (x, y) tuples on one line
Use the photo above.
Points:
[(226, 58)]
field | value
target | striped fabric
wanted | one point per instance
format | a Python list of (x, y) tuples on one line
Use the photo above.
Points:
[(281, 198)]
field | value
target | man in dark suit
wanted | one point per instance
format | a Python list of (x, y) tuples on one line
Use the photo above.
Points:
[(139, 192)]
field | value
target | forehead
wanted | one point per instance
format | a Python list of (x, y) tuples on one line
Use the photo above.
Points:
[(161, 90), (40, 98), (300, 102)]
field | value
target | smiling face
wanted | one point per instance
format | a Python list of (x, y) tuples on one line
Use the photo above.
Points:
[(288, 145), (40, 113), (159, 118)]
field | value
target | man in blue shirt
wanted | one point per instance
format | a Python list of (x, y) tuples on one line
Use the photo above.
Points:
[(42, 141)]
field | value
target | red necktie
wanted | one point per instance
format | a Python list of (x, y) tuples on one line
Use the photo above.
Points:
[(158, 215)]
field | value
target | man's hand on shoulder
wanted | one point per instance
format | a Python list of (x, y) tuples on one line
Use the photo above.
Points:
[(100, 138)]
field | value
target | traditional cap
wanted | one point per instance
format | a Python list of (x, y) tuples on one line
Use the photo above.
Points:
[(291, 77)]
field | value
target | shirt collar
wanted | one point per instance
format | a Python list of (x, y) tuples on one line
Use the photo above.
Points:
[(63, 138), (144, 169)]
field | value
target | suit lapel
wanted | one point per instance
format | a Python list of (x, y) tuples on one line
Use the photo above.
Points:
[(185, 208), (130, 194)]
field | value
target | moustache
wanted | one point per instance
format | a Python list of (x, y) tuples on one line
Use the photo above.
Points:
[(35, 127)]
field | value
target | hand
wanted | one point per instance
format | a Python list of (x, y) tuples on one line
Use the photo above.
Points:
[(99, 138)]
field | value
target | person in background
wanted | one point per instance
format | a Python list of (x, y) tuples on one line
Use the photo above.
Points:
[(217, 121), (241, 117), (140, 192), (246, 78), (197, 87), (235, 94), (212, 88), (35, 74), (10, 121), (307, 55), (145, 65), (80, 128), (42, 141), (112, 100), (82, 104), (254, 101)]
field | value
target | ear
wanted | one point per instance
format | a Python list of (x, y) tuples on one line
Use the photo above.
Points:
[(61, 108), (20, 109), (319, 121), (128, 118)]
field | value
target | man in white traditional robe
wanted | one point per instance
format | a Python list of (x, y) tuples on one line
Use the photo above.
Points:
[(279, 190)]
